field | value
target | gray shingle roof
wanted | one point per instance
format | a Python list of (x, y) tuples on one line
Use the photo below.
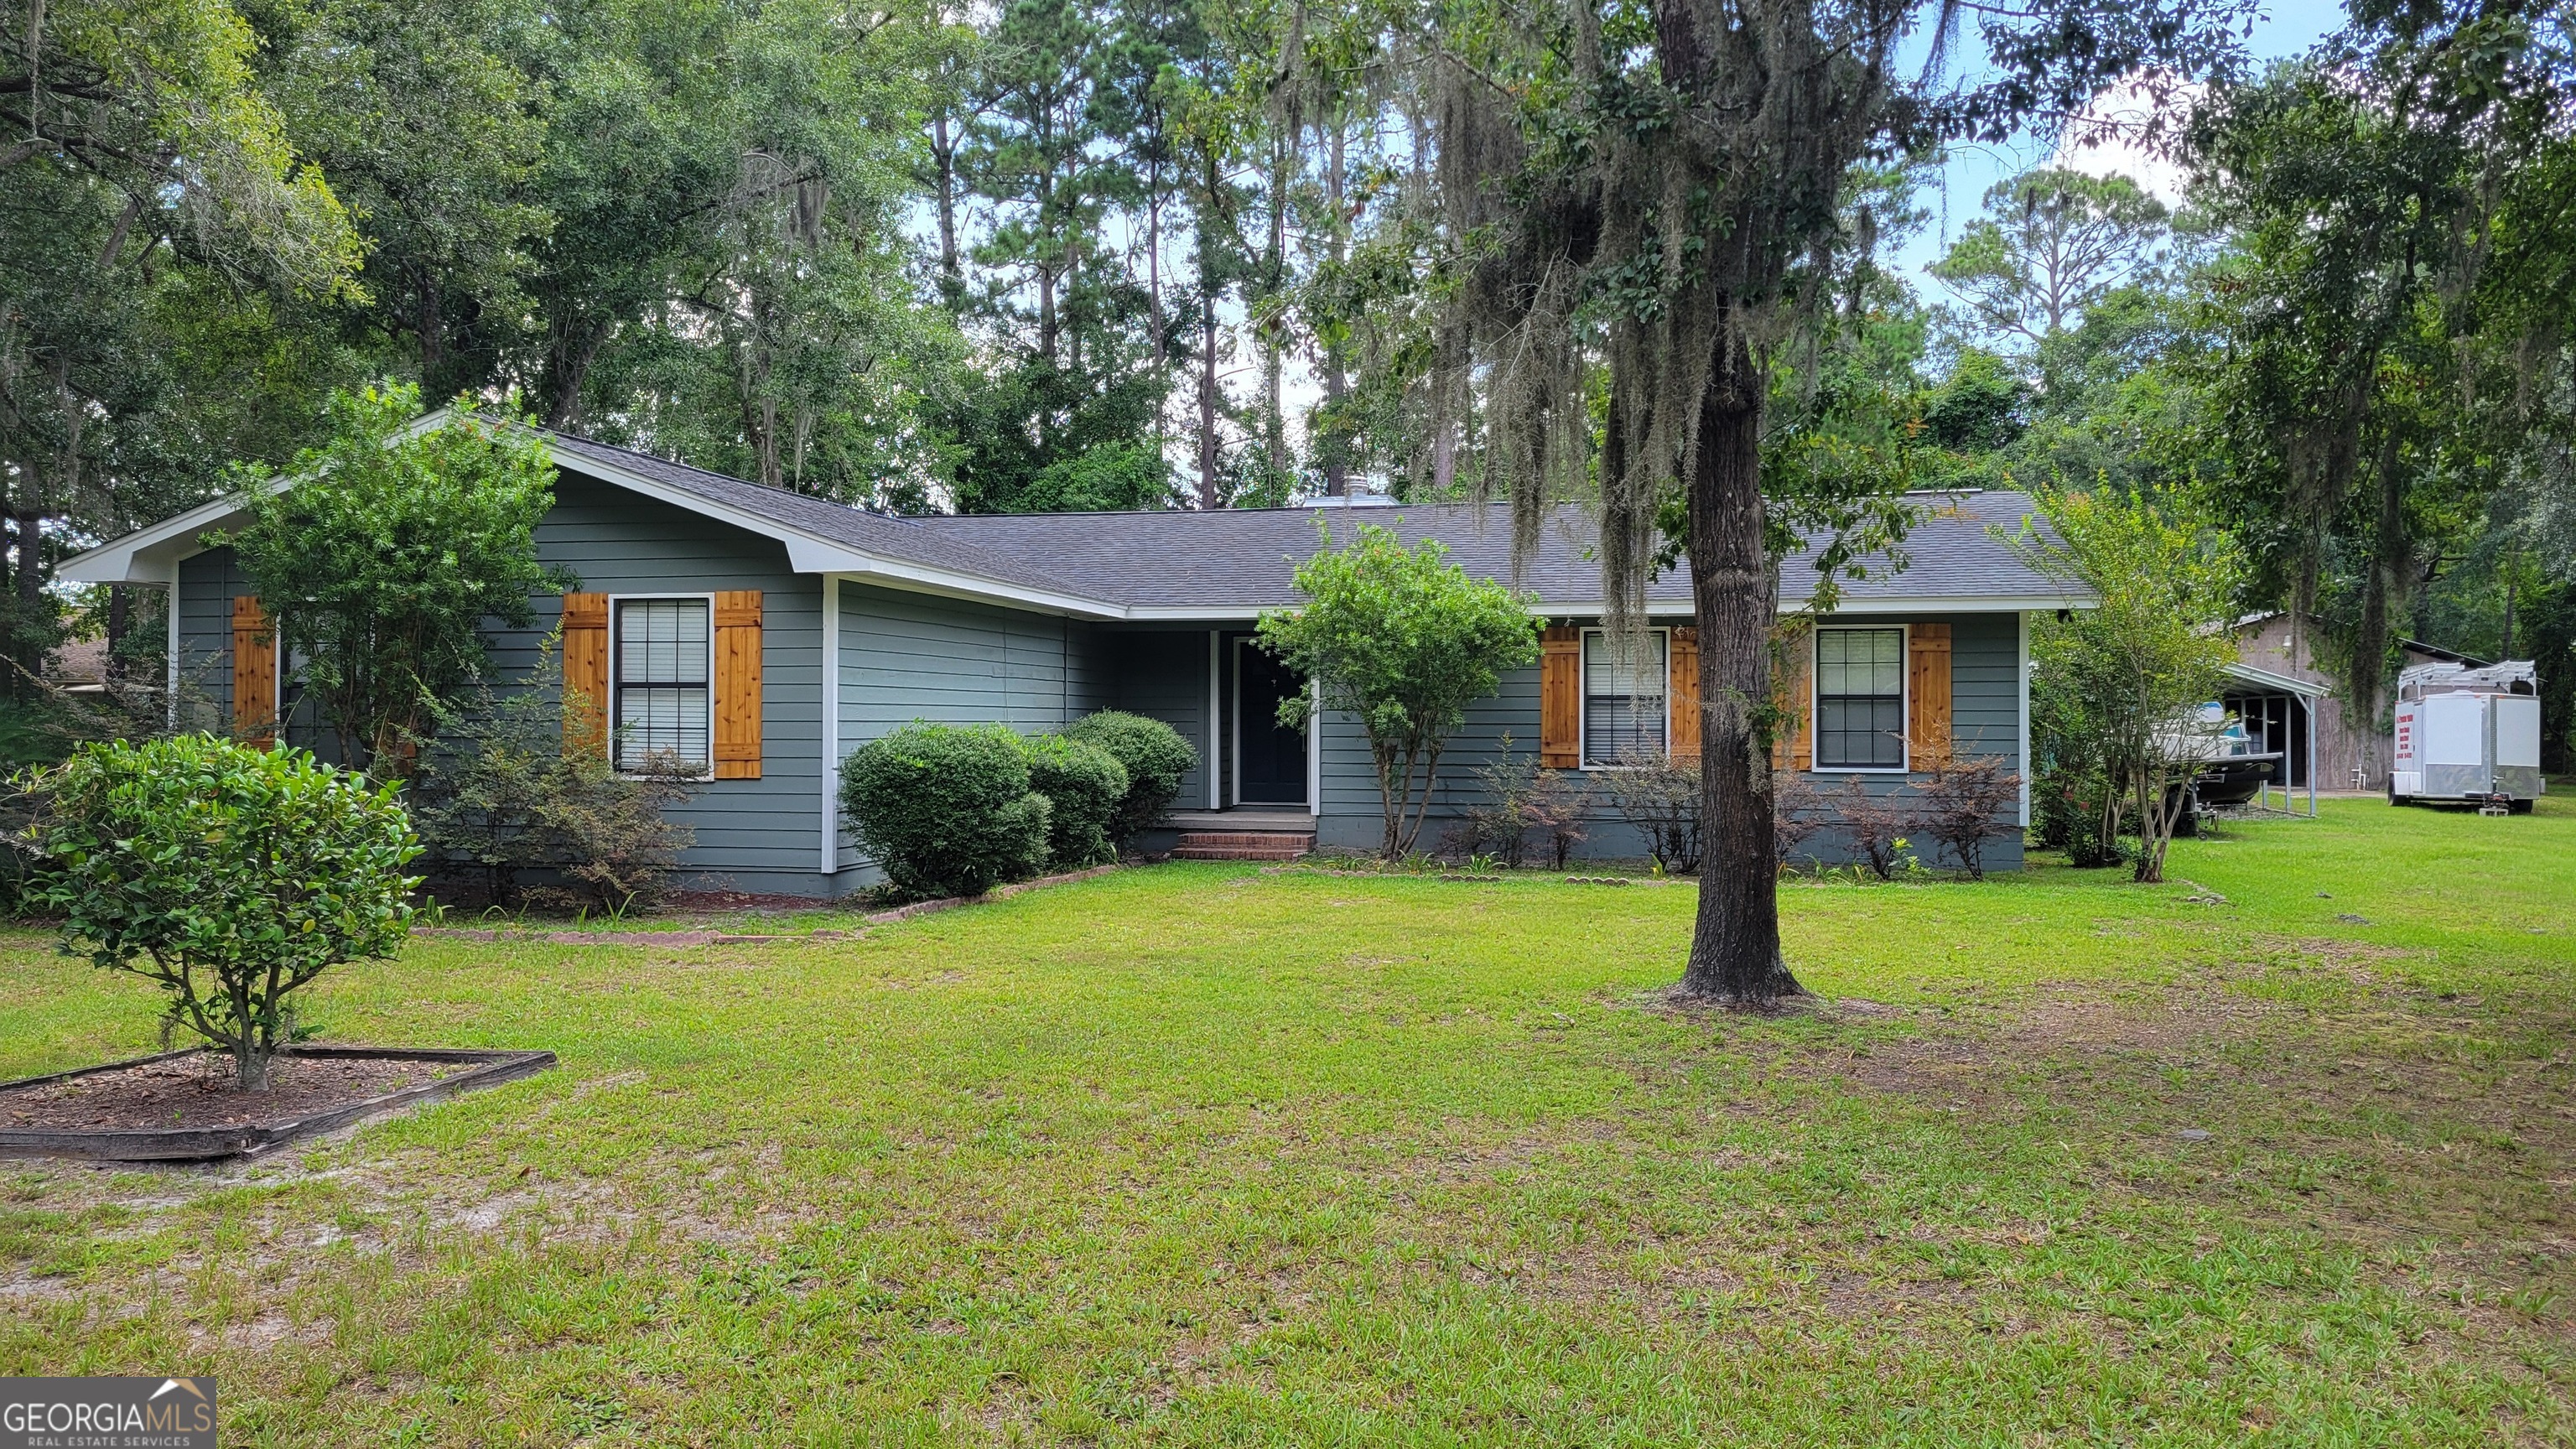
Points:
[(1238, 559), (874, 533)]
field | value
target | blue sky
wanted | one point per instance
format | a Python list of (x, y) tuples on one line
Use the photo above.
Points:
[(2284, 28)]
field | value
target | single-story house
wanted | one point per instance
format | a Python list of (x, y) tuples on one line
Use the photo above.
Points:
[(768, 634)]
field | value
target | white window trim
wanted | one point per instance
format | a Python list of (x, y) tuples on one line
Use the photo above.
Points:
[(1583, 698), (1816, 693), (616, 649)]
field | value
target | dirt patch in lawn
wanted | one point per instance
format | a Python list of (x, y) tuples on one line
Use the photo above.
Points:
[(197, 1091)]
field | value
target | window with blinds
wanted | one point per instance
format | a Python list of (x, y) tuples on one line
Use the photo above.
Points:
[(664, 683), (1860, 699), (1623, 697)]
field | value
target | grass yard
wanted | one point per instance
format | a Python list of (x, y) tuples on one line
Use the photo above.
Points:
[(1218, 1155)]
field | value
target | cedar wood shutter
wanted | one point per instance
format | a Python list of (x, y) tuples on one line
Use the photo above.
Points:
[(737, 744), (254, 673), (1684, 693), (1927, 694), (1793, 741), (1560, 698), (585, 674)]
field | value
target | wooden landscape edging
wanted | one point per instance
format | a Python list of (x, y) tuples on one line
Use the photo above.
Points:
[(201, 1144)]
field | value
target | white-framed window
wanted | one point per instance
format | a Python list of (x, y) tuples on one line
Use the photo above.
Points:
[(1860, 698), (1626, 710), (663, 656)]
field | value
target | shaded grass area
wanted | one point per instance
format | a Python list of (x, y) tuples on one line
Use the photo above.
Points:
[(1211, 1154)]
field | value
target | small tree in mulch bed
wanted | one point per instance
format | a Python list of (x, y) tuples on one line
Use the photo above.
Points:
[(229, 876)]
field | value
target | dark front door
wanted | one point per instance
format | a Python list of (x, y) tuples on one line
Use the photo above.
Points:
[(1273, 765)]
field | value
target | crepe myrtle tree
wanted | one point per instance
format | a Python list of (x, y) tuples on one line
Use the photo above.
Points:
[(1403, 639), (2164, 578), (1644, 210), (229, 876)]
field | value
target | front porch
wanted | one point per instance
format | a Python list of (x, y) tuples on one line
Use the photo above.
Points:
[(1245, 832)]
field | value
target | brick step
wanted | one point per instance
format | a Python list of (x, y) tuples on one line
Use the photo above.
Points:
[(1243, 845)]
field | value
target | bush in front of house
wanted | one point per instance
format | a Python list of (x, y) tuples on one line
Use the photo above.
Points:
[(946, 810), (499, 799), (1084, 786), (1963, 802), (1660, 795), (1154, 756), (229, 876)]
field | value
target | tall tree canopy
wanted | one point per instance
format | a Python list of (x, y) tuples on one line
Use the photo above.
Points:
[(2388, 331), (1653, 191), (1057, 254)]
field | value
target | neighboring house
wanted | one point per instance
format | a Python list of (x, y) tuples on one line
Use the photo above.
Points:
[(769, 634), (2279, 684)]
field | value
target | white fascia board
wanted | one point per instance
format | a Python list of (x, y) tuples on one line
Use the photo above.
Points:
[(1921, 604), (148, 555), (814, 557), (1657, 609)]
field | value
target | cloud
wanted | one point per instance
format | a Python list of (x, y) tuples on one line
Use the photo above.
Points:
[(2112, 136)]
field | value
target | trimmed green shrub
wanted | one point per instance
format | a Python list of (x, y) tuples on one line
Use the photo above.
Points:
[(1154, 756), (1084, 785), (946, 810), (229, 876)]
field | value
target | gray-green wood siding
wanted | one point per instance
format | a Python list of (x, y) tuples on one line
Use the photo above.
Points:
[(907, 657), (753, 835), (1985, 718)]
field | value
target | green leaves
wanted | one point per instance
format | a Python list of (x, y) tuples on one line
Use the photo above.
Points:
[(947, 810), (2114, 687), (382, 564), (1403, 639), (231, 876)]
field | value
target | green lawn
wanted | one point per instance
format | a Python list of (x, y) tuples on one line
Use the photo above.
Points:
[(1218, 1155)]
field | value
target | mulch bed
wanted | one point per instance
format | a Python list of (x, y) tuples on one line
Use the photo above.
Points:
[(197, 1091), (181, 1106)]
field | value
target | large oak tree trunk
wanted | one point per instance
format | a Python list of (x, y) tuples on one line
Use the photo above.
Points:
[(1735, 946)]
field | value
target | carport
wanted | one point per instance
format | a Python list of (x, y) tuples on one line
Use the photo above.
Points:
[(2280, 715)]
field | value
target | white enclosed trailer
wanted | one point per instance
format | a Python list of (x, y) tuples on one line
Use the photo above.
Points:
[(2468, 733)]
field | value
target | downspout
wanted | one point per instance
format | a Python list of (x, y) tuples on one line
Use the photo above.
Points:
[(170, 699), (829, 740), (2022, 649), (1315, 752)]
